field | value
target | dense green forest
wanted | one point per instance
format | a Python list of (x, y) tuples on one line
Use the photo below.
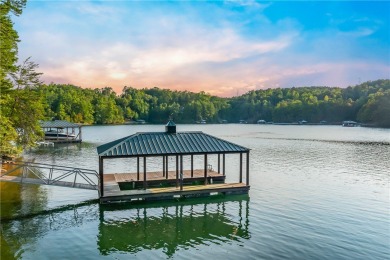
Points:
[(367, 103)]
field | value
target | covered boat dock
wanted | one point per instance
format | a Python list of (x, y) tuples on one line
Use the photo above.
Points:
[(184, 180), (61, 131)]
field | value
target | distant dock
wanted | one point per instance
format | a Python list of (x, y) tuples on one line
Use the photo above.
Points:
[(61, 131)]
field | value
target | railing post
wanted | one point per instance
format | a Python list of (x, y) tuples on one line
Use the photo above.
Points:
[(75, 176), (50, 174), (23, 172)]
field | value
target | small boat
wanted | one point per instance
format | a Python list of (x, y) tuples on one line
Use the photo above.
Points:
[(58, 135), (261, 121), (349, 123)]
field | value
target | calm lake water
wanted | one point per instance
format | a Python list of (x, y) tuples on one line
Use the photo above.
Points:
[(317, 192)]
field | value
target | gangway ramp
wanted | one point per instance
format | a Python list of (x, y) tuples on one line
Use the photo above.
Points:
[(54, 175)]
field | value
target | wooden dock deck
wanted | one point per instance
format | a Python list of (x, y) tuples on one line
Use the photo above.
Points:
[(115, 189), (116, 195)]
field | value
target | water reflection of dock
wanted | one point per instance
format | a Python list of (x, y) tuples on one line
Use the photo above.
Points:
[(172, 226)]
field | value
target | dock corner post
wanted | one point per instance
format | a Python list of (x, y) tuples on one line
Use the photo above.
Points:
[(247, 169), (177, 171), (205, 169), (145, 172), (101, 179), (240, 167)]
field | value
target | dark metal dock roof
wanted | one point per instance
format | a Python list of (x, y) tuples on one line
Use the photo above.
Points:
[(163, 143), (57, 124)]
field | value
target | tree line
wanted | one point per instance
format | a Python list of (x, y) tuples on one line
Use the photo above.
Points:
[(20, 105), (368, 103)]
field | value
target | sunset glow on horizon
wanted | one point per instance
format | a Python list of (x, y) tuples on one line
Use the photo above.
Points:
[(224, 48)]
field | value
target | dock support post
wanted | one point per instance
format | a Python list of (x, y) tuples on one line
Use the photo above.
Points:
[(101, 188), (181, 172), (205, 169), (137, 168), (145, 172), (247, 169), (177, 171), (192, 165), (223, 164), (240, 167), (219, 163), (166, 170), (163, 166)]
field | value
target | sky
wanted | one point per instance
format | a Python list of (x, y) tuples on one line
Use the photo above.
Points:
[(225, 48)]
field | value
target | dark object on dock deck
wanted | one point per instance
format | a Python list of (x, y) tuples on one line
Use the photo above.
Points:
[(125, 187)]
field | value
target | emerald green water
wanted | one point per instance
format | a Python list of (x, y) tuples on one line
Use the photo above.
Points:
[(317, 192)]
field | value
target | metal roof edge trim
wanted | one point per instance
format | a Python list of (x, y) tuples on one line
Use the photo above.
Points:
[(168, 154), (104, 147), (243, 147)]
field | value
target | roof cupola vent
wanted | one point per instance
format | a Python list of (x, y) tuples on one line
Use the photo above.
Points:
[(170, 128)]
